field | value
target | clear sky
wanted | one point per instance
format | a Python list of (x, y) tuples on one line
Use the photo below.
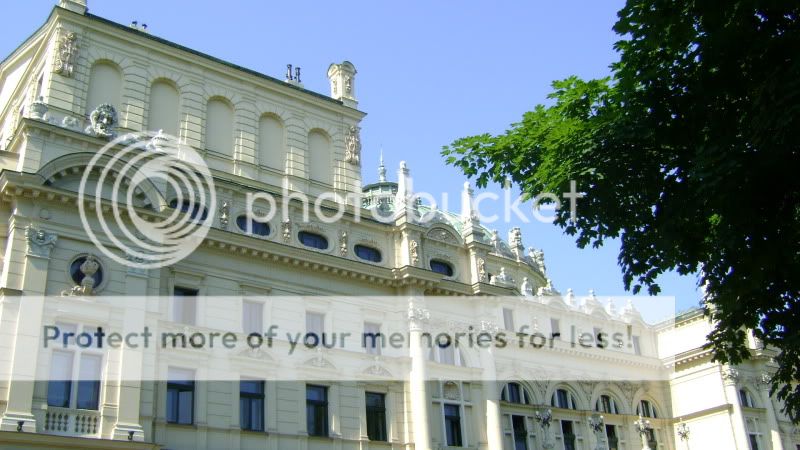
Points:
[(428, 73)]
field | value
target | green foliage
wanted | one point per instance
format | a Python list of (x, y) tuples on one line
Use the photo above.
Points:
[(690, 155)]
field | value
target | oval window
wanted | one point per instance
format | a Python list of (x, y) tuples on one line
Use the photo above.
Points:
[(313, 240), (442, 267), (368, 253), (252, 226), (195, 210), (77, 275)]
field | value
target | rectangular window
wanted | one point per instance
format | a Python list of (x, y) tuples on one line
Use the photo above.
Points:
[(754, 442), (184, 306), (637, 349), (569, 434), (252, 317), (563, 398), (373, 339), (452, 425), (315, 324), (59, 387), (89, 382), (376, 416), (180, 396), (611, 435), (513, 393), (317, 410), (555, 327), (520, 433), (251, 405), (508, 319)]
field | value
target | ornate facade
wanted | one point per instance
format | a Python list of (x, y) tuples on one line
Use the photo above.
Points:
[(81, 80)]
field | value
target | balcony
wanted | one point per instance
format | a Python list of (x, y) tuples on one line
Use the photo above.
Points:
[(71, 422)]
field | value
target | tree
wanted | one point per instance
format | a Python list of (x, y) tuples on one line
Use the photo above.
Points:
[(688, 154)]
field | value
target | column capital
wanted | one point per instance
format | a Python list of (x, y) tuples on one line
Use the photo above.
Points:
[(40, 242)]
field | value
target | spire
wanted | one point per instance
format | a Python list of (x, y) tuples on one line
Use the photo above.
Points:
[(404, 189), (381, 169)]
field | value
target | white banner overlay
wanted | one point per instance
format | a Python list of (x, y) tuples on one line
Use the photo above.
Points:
[(358, 338)]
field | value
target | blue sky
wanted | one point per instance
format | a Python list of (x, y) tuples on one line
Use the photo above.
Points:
[(428, 73)]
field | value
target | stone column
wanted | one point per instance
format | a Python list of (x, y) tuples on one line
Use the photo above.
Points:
[(730, 377), (127, 425), (39, 245), (772, 421), (491, 393), (420, 405)]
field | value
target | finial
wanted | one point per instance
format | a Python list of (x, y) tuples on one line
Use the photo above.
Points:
[(381, 169)]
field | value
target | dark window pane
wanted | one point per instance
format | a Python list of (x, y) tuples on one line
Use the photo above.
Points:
[(58, 393), (442, 267), (196, 211), (180, 401), (513, 393), (376, 416), (368, 253), (452, 422), (252, 226), (313, 240), (317, 410)]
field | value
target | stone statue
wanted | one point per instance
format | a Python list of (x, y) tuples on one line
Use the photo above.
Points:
[(65, 55), (352, 153), (287, 231), (40, 242), (343, 243), (88, 268), (103, 120), (537, 257), (224, 215), (481, 270), (527, 288), (413, 253)]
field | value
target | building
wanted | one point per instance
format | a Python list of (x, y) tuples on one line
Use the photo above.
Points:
[(261, 134)]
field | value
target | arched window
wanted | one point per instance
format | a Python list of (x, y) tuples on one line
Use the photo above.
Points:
[(219, 126), (270, 142), (515, 393), (196, 211), (319, 156), (646, 409), (606, 404), (368, 253), (252, 226), (563, 398), (163, 113), (105, 86), (313, 240), (442, 267)]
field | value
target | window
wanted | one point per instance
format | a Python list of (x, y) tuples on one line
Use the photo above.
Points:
[(252, 317), (66, 366), (180, 396), (606, 404), (452, 425), (313, 240), (555, 327), (77, 276), (646, 409), (373, 339), (568, 433), (89, 382), (184, 307), (376, 416), (754, 442), (515, 393), (563, 399), (508, 319), (315, 327), (368, 253), (442, 267), (252, 226), (520, 432), (196, 211), (652, 441), (745, 399), (611, 435), (251, 405), (637, 349), (317, 410)]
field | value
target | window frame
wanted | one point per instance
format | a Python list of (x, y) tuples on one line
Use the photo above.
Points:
[(449, 419), (359, 248), (180, 386), (376, 417), (75, 385), (181, 299), (252, 399), (255, 316), (317, 406), (450, 269), (316, 238)]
